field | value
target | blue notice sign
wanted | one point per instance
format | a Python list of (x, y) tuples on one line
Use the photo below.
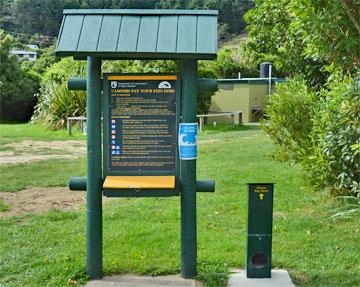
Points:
[(187, 140)]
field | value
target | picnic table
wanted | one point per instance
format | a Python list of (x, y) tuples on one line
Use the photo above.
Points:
[(220, 114), (69, 124)]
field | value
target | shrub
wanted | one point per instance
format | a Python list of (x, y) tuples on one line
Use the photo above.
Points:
[(288, 119), (17, 87), (321, 131), (45, 60), (223, 67), (336, 136)]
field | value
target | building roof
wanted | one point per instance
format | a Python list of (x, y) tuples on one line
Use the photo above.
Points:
[(138, 34)]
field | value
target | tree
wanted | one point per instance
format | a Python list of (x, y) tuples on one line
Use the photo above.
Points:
[(7, 19), (17, 88), (223, 67), (38, 16), (306, 36)]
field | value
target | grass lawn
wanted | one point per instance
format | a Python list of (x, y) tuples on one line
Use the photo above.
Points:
[(17, 132), (143, 235), (44, 173)]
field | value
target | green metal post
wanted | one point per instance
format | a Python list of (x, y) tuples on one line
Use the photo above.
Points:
[(94, 173), (188, 174)]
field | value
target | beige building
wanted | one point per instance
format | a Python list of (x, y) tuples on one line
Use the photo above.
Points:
[(248, 95)]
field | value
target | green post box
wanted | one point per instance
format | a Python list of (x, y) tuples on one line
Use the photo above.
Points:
[(259, 235)]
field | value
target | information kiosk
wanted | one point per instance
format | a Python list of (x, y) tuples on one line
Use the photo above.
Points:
[(147, 146)]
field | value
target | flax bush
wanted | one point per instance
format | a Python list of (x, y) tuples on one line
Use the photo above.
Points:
[(55, 101)]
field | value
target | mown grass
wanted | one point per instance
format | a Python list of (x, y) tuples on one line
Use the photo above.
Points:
[(46, 173), (17, 132), (143, 235)]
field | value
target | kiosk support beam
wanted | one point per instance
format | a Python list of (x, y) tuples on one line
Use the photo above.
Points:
[(188, 174), (94, 173)]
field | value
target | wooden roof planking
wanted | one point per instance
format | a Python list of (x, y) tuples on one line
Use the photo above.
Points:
[(138, 34)]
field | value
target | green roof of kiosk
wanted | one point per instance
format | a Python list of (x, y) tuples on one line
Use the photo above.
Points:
[(138, 34)]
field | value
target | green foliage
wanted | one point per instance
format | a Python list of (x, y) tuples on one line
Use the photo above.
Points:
[(141, 66), (61, 71), (223, 67), (204, 102), (17, 87), (28, 14), (335, 134), (55, 101), (248, 61), (45, 60), (62, 103), (7, 20), (321, 131), (306, 36), (289, 115)]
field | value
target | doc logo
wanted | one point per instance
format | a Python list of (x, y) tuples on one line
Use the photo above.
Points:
[(164, 85), (113, 84)]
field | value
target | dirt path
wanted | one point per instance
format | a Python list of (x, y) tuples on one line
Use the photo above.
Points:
[(38, 200), (29, 151)]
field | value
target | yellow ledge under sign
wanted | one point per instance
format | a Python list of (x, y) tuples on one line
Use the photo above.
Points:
[(139, 182)]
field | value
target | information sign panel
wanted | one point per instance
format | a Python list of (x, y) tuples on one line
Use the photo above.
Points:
[(140, 124)]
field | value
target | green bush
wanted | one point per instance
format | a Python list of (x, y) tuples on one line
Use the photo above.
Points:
[(288, 120), (17, 87), (45, 60), (223, 67), (321, 131), (336, 136)]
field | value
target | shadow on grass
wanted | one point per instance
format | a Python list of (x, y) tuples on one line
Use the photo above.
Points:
[(219, 128)]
